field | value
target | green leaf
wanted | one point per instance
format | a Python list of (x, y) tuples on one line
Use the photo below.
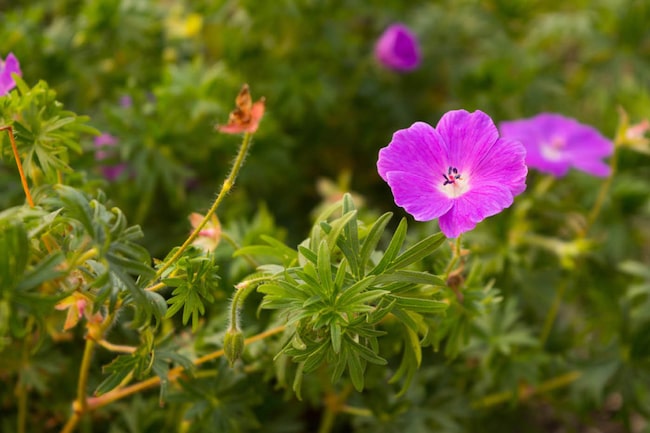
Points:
[(372, 239), (47, 269), (417, 252), (14, 253), (325, 268), (275, 248), (339, 225), (308, 254), (119, 369), (335, 335), (356, 369), (353, 290), (403, 277), (393, 248), (351, 238), (419, 305)]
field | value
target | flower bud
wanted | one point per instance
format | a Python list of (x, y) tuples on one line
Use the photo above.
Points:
[(233, 345)]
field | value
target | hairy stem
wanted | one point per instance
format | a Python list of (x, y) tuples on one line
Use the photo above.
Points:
[(21, 172), (239, 297), (225, 189)]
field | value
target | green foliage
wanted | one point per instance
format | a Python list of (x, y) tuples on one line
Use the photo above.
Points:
[(538, 317), (45, 133), (336, 298), (194, 280)]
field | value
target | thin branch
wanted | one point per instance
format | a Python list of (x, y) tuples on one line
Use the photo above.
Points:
[(21, 172)]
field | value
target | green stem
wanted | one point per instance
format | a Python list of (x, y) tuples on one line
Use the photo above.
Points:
[(21, 389), (239, 297), (327, 421), (225, 189), (552, 313), (604, 190), (454, 258), (84, 371), (591, 219), (527, 392)]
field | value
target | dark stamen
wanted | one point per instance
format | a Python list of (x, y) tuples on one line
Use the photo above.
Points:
[(449, 177)]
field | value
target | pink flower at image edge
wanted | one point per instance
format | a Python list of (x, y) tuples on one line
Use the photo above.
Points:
[(461, 171), (398, 49), (555, 143), (7, 67)]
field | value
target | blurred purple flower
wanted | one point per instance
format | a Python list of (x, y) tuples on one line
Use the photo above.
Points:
[(398, 49), (126, 101), (103, 145), (555, 143), (460, 171), (7, 67)]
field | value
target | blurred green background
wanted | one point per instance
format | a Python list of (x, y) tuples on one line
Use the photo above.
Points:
[(159, 75), (330, 106)]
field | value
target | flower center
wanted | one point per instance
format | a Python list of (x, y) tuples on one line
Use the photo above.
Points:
[(454, 184), (552, 151), (452, 176)]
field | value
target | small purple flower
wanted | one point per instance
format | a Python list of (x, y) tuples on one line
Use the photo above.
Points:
[(7, 67), (103, 145), (126, 101), (398, 49), (460, 171), (555, 143)]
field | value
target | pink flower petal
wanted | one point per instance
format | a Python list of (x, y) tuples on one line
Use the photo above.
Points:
[(418, 195)]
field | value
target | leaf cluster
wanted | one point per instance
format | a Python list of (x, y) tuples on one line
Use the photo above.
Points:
[(338, 288)]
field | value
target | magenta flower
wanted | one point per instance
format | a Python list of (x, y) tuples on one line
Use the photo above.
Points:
[(103, 151), (460, 171), (555, 143), (398, 49), (7, 67)]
